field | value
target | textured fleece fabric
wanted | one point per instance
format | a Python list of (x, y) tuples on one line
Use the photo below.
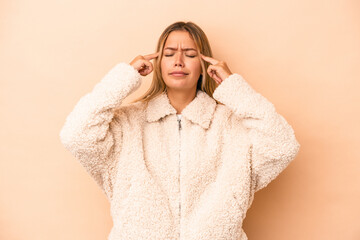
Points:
[(165, 182)]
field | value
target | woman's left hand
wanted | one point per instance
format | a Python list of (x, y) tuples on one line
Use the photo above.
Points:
[(218, 70)]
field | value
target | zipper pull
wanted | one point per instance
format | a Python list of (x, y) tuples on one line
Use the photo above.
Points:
[(179, 121)]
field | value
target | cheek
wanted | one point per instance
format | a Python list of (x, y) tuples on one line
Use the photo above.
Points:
[(196, 66), (164, 64), (164, 68)]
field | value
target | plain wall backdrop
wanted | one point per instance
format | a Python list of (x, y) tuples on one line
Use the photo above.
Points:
[(301, 55)]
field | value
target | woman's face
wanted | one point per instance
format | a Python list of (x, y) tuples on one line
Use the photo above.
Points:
[(180, 54)]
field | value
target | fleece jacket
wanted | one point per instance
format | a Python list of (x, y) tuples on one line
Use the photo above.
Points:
[(170, 178)]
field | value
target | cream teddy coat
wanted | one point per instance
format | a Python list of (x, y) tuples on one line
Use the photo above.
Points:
[(192, 179)]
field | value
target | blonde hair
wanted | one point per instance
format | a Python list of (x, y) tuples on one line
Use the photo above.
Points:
[(205, 83)]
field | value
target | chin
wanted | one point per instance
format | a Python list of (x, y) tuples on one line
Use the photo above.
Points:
[(178, 83)]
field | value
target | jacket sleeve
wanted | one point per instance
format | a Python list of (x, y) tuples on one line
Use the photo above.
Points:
[(88, 132), (273, 142)]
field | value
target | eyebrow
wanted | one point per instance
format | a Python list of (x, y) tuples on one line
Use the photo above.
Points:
[(186, 49)]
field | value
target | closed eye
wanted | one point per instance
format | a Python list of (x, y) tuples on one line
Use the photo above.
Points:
[(169, 55)]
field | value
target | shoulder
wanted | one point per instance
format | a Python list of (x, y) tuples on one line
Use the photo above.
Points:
[(228, 117), (134, 111), (222, 111)]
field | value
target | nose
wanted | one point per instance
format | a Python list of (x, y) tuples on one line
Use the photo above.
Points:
[(179, 60)]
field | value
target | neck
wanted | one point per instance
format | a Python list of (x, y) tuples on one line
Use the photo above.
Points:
[(180, 99)]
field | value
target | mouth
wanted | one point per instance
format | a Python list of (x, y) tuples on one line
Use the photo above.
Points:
[(178, 74)]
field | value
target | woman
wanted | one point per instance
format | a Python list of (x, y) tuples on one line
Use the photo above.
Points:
[(184, 160)]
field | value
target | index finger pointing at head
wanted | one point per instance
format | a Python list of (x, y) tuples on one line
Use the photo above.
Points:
[(151, 56), (209, 59)]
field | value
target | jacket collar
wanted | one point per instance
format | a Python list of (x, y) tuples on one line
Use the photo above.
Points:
[(200, 110)]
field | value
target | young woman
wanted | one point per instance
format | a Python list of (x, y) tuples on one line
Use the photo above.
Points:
[(184, 160)]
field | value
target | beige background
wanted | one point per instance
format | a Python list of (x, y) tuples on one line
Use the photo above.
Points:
[(302, 55)]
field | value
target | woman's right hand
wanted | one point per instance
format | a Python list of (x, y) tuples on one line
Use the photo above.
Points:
[(142, 63)]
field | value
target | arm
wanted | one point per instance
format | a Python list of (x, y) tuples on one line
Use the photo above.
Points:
[(88, 132), (273, 140)]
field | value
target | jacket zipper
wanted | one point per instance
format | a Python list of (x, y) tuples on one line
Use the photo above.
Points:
[(179, 121)]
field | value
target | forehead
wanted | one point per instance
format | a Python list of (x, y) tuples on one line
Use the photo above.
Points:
[(180, 39)]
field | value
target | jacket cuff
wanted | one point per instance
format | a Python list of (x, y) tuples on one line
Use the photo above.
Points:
[(118, 83), (124, 74)]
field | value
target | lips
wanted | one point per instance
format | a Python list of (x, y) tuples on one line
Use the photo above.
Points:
[(178, 73)]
